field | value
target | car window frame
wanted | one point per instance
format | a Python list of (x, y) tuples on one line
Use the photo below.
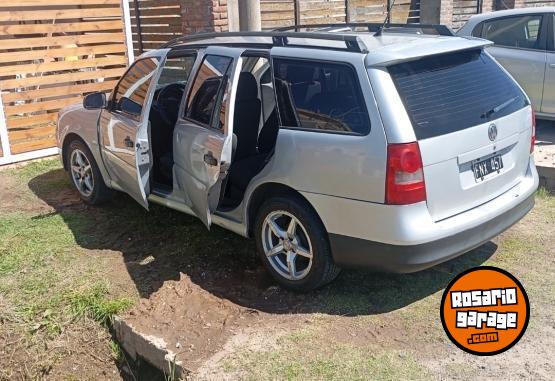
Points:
[(551, 33), (111, 104), (262, 53), (478, 30), (180, 54), (219, 98), (358, 90)]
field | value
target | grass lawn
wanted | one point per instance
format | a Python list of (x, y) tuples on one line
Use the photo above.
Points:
[(66, 269)]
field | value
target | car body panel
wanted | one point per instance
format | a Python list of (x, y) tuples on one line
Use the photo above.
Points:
[(193, 142), (529, 67), (412, 224), (356, 161), (421, 47), (450, 184), (548, 104), (76, 120), (124, 142)]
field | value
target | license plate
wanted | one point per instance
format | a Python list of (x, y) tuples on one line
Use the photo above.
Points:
[(482, 168)]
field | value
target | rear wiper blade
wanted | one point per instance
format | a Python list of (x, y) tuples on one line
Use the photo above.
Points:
[(498, 108)]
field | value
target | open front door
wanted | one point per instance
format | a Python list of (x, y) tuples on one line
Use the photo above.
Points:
[(124, 127), (206, 131)]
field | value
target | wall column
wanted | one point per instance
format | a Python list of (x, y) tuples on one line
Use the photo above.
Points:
[(436, 12), (249, 15)]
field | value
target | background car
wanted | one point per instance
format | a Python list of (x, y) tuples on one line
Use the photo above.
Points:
[(524, 44)]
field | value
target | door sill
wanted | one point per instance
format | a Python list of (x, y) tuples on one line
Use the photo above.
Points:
[(161, 190)]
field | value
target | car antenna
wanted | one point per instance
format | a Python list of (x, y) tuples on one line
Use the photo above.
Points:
[(387, 19)]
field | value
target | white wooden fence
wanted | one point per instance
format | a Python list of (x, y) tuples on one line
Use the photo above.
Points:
[(52, 53)]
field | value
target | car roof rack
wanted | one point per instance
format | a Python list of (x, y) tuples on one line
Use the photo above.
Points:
[(280, 38), (377, 28)]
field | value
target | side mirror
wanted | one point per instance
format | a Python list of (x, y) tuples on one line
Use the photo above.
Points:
[(95, 101)]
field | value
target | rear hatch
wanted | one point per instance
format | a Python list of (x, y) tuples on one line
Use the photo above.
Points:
[(473, 126)]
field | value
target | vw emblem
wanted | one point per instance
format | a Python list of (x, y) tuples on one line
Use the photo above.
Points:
[(492, 132)]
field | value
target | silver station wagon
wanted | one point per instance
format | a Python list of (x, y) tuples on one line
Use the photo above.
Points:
[(390, 147)]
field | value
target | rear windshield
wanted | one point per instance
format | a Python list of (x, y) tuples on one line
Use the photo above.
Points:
[(451, 92)]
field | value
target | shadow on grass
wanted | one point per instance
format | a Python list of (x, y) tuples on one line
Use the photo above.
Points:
[(159, 245)]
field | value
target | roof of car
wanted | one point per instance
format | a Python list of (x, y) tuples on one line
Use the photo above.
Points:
[(466, 29), (382, 49), (512, 12)]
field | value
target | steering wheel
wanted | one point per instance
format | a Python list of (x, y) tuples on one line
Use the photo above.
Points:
[(168, 101)]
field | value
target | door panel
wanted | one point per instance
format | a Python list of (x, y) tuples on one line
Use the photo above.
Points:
[(548, 104), (203, 138), (527, 67), (124, 128)]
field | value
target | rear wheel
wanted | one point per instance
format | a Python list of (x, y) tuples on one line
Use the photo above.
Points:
[(293, 244), (85, 175)]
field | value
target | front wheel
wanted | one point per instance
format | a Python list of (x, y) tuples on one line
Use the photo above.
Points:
[(293, 244), (85, 175)]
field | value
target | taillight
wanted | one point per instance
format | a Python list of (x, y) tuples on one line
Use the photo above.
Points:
[(404, 176), (533, 138)]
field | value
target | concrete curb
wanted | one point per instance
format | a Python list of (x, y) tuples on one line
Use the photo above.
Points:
[(147, 348), (547, 177)]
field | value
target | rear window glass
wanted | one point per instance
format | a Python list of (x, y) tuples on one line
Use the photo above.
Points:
[(447, 93), (316, 95)]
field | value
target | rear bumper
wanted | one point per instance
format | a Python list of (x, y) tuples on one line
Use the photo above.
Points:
[(404, 238), (355, 252)]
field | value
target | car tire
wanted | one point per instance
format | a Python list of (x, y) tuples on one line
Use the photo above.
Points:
[(308, 236), (80, 159)]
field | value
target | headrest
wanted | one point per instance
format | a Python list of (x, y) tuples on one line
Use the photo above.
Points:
[(300, 73), (247, 88)]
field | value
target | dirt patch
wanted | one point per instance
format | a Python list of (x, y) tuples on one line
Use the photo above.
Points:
[(205, 295), (16, 197), (544, 152), (196, 325)]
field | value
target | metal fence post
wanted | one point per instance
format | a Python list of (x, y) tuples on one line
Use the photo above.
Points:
[(128, 32), (138, 25)]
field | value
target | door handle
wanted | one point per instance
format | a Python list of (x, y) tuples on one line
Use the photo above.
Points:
[(128, 142), (210, 159), (552, 65)]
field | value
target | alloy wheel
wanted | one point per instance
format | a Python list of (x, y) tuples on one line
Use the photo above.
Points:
[(81, 172), (287, 245)]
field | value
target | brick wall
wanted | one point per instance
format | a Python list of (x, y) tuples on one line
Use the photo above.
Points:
[(204, 16), (504, 4)]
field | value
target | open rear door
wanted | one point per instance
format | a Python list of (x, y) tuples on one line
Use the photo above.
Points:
[(207, 129), (124, 126)]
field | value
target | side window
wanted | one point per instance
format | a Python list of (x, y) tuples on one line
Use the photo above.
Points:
[(208, 89), (319, 95), (131, 91), (177, 70), (517, 32)]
